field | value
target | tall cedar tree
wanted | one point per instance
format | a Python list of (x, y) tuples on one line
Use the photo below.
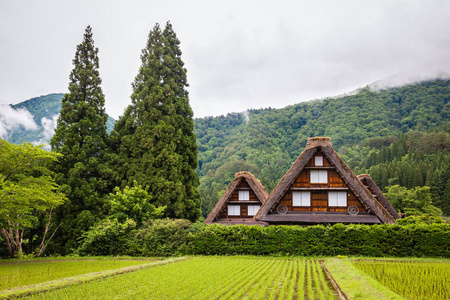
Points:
[(154, 139), (81, 137)]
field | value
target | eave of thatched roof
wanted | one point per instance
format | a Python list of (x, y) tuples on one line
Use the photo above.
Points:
[(254, 184), (367, 180), (350, 179)]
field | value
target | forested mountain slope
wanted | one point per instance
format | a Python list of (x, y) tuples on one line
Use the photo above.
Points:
[(272, 139), (45, 111)]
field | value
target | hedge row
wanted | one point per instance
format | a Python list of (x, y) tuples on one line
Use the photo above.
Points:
[(418, 240), (178, 237)]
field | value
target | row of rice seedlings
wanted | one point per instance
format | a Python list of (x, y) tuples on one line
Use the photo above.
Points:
[(287, 287), (26, 273), (262, 292), (309, 281), (413, 280), (301, 280)]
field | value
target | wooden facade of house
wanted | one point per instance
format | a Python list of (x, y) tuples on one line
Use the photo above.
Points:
[(241, 201), (320, 188)]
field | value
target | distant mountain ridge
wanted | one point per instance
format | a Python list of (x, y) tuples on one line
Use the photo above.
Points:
[(45, 111)]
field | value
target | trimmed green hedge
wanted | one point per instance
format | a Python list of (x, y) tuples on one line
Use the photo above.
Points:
[(374, 240), (168, 237)]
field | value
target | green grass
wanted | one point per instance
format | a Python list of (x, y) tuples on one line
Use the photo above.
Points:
[(413, 280), (208, 278), (355, 283), (21, 273)]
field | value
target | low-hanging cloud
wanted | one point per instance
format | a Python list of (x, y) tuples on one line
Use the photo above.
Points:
[(11, 119), (48, 126)]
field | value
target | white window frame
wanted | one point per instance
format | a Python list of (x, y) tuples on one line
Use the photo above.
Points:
[(234, 210), (337, 199), (244, 195), (318, 161), (301, 198), (252, 210), (318, 176)]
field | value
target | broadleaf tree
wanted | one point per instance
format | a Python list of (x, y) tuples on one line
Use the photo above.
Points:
[(154, 139), (27, 189), (82, 138)]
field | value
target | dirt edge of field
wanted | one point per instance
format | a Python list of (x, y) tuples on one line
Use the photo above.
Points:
[(336, 286), (60, 283)]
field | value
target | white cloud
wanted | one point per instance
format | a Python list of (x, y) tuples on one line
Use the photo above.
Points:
[(49, 126), (11, 119)]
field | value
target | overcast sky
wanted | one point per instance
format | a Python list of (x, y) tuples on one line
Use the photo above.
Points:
[(238, 54)]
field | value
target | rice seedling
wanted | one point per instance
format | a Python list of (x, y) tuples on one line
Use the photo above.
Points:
[(413, 280)]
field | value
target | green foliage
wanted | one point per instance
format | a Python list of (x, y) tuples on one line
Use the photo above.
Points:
[(132, 203), (416, 201), (163, 237), (26, 190), (421, 219), (154, 140), (109, 237), (82, 138)]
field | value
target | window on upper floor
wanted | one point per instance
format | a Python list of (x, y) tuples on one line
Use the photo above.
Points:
[(337, 198), (252, 210), (318, 160), (234, 210), (301, 198), (319, 176), (244, 195)]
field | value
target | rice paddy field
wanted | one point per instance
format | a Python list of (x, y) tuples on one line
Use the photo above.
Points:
[(21, 273), (223, 277), (413, 280)]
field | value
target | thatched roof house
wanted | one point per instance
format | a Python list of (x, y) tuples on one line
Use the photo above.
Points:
[(240, 202), (320, 188)]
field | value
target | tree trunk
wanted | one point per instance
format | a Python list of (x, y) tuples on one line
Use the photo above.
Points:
[(44, 244)]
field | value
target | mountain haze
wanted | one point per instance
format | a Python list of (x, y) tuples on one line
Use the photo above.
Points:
[(44, 111)]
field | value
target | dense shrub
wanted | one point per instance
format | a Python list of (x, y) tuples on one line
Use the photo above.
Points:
[(163, 237), (109, 237)]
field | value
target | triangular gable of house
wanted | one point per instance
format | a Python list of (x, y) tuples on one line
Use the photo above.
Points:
[(370, 184), (254, 184), (322, 145)]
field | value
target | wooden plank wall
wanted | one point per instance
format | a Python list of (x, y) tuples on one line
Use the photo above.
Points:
[(319, 199), (243, 185)]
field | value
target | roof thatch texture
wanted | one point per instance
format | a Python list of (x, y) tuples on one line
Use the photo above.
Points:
[(350, 179), (368, 181), (254, 184)]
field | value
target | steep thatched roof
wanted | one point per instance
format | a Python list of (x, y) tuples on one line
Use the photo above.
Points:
[(368, 181), (324, 144), (254, 184)]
